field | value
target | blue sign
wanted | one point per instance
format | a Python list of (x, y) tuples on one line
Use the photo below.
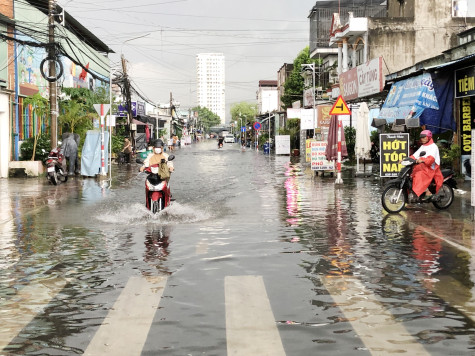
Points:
[(409, 98), (257, 126), (243, 129)]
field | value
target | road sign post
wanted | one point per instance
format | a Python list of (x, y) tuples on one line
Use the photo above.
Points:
[(257, 127), (102, 109), (339, 108)]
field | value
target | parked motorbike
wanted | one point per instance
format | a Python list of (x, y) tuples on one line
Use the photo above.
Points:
[(398, 192), (157, 190), (54, 167)]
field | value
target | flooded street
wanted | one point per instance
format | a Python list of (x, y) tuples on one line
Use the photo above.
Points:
[(256, 256)]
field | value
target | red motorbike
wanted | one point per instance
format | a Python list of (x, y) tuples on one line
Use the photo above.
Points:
[(157, 190), (54, 167)]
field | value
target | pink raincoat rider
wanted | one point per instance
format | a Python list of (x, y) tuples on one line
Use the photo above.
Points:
[(429, 168)]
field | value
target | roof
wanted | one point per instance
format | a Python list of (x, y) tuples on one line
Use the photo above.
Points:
[(74, 26), (267, 83)]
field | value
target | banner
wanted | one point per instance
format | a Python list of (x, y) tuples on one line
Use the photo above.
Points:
[(408, 98), (393, 148)]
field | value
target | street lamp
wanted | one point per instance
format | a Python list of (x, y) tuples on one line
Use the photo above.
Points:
[(306, 68)]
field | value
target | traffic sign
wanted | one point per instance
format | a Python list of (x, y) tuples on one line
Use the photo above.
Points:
[(340, 107), (102, 109), (243, 128), (257, 126)]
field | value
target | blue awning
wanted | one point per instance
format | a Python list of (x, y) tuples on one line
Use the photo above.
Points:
[(408, 98)]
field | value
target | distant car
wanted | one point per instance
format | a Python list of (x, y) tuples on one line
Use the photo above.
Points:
[(229, 139)]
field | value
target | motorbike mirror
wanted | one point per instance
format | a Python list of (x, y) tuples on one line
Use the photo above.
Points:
[(171, 157), (423, 153), (139, 161)]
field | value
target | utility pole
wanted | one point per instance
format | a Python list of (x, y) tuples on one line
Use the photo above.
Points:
[(53, 100), (171, 114), (128, 100)]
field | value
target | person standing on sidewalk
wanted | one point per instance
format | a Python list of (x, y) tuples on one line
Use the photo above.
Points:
[(70, 151)]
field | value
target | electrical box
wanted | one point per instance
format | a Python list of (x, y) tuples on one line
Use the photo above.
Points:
[(133, 127)]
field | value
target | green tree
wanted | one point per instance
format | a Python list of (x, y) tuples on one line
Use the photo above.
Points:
[(294, 85), (244, 111), (40, 107), (350, 138), (207, 118)]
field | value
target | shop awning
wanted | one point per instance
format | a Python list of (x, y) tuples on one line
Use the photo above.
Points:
[(408, 98)]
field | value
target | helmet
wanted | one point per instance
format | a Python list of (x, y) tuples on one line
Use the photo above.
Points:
[(158, 143), (426, 133)]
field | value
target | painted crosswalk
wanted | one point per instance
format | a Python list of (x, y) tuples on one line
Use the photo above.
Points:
[(250, 324), (30, 301), (251, 328), (125, 329)]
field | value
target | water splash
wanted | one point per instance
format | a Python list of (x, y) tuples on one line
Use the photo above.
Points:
[(137, 213)]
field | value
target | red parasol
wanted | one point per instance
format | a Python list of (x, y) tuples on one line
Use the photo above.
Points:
[(331, 151)]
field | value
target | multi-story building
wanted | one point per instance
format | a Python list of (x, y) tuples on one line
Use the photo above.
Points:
[(23, 49), (210, 70), (267, 96), (321, 21), (282, 75)]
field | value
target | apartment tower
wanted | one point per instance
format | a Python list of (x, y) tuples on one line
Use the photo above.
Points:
[(210, 79)]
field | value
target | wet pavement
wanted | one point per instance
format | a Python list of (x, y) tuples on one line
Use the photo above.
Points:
[(256, 256)]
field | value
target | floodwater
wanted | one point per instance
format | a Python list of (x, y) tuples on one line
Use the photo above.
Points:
[(330, 270)]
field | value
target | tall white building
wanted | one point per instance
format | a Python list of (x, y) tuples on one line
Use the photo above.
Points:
[(211, 84)]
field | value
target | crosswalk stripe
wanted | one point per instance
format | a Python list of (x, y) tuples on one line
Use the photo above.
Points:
[(125, 329), (20, 310), (250, 324), (373, 323)]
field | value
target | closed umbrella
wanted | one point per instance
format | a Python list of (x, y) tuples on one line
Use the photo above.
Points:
[(363, 141), (331, 151)]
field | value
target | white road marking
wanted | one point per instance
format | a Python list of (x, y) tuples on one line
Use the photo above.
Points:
[(251, 329), (19, 311), (202, 247), (126, 326), (373, 323)]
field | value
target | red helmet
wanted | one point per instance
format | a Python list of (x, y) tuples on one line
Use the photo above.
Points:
[(426, 133)]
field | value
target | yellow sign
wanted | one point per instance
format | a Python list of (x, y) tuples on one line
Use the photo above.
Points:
[(340, 107)]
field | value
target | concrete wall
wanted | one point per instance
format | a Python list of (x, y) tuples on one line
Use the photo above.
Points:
[(5, 142), (398, 8), (393, 39), (427, 32)]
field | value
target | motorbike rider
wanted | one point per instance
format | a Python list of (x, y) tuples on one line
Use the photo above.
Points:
[(429, 168), (157, 156), (220, 141)]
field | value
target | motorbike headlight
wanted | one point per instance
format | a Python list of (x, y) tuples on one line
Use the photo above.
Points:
[(154, 169)]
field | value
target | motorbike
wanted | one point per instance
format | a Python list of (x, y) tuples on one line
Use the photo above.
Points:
[(157, 190), (398, 192), (220, 143), (54, 167)]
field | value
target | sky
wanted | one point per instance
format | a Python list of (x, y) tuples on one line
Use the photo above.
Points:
[(161, 38)]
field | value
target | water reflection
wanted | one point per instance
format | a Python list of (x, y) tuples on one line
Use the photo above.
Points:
[(292, 193), (157, 241)]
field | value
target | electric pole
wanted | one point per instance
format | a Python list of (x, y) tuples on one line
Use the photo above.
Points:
[(171, 113), (128, 100), (53, 100)]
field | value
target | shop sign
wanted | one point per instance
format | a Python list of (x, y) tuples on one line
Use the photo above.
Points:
[(465, 82), (364, 80), (319, 160), (393, 148)]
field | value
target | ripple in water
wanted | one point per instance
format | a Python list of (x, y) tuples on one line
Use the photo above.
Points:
[(137, 213)]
